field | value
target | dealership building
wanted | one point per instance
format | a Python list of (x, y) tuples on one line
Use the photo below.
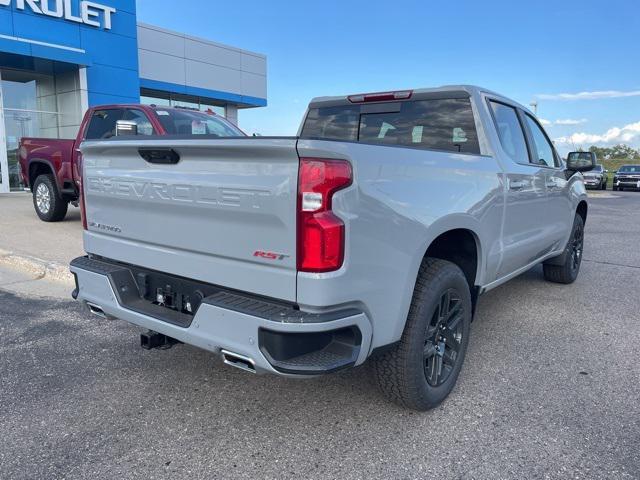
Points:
[(59, 57)]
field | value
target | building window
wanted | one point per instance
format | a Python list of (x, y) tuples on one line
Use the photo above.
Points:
[(161, 102), (166, 99)]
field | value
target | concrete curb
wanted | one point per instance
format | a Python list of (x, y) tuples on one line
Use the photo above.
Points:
[(38, 267)]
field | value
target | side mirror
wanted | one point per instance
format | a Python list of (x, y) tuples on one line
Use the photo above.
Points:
[(581, 161), (125, 128)]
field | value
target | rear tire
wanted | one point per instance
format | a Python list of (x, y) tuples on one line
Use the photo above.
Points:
[(421, 370), (568, 271), (49, 205)]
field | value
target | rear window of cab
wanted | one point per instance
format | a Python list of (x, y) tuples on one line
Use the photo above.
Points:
[(437, 124)]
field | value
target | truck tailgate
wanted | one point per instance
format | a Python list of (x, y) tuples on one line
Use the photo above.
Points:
[(224, 214)]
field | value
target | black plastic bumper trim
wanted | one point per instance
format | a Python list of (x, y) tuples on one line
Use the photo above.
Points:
[(311, 353), (122, 279), (273, 310), (123, 283)]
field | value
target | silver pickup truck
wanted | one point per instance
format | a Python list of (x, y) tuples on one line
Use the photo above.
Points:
[(369, 235)]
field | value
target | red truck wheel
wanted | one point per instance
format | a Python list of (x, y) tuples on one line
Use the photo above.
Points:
[(48, 203)]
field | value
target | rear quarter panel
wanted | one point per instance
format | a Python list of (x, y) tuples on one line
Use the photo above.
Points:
[(400, 201)]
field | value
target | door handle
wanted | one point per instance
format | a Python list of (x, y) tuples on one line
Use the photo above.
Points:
[(517, 185)]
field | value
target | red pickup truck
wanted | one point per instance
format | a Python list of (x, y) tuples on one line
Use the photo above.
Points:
[(51, 168)]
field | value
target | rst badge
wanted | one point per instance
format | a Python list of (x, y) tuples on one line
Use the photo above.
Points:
[(269, 255)]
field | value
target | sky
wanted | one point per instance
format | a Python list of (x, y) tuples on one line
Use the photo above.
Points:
[(578, 59)]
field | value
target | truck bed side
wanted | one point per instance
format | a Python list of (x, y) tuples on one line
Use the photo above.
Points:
[(402, 199), (37, 155)]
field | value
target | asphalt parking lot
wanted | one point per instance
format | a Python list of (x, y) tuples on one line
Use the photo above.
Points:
[(550, 389)]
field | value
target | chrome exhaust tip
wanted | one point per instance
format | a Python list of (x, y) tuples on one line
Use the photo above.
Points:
[(238, 361), (96, 310)]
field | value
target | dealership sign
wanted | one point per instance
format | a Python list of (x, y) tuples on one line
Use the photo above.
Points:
[(90, 13)]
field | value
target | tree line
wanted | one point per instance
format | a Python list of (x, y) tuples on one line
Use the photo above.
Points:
[(620, 151)]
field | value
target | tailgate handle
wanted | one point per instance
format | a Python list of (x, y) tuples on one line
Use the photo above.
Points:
[(167, 156)]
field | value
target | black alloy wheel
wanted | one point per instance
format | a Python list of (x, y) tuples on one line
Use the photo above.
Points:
[(422, 368), (565, 267), (444, 338), (576, 247)]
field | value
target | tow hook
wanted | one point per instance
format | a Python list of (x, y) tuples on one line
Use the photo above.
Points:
[(151, 339)]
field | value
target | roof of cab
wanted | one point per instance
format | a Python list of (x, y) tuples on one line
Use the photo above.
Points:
[(469, 90)]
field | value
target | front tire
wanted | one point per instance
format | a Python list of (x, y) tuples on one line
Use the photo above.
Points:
[(422, 369), (49, 205), (568, 270)]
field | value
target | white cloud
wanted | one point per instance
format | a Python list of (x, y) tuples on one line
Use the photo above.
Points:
[(626, 134), (589, 95), (570, 121), (565, 121)]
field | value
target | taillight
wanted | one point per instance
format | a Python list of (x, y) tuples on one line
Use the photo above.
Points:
[(320, 231)]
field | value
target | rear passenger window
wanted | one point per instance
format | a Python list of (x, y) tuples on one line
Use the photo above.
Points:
[(510, 132), (438, 124)]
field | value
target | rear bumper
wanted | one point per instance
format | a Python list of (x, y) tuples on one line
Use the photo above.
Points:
[(276, 338)]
